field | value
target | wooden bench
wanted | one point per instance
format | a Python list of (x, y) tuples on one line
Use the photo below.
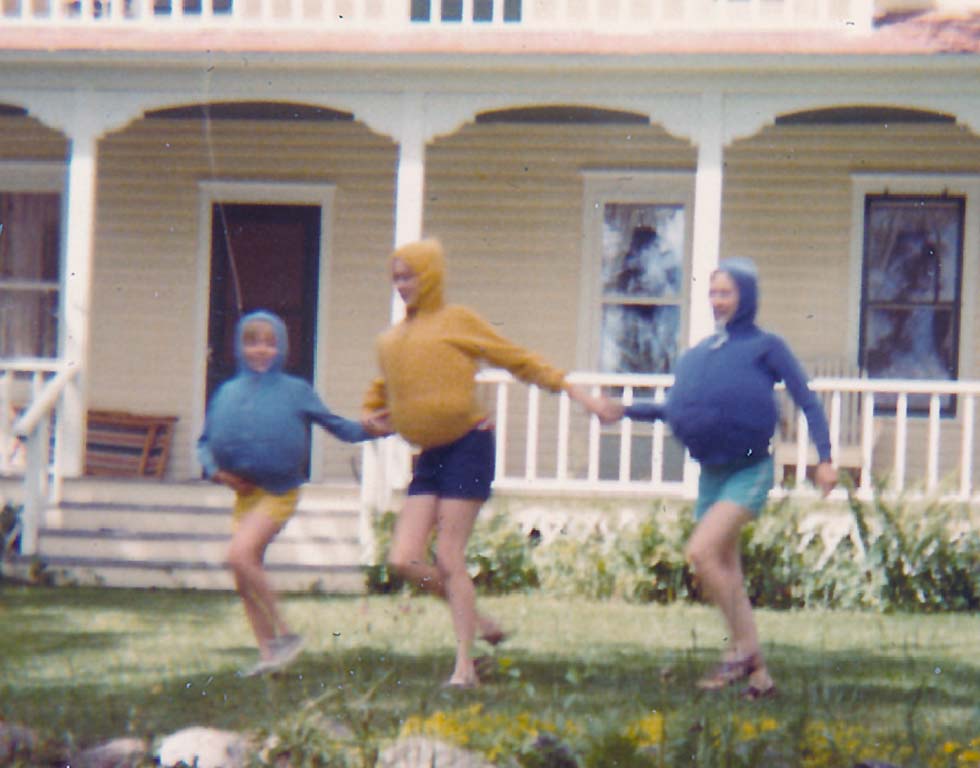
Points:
[(119, 444)]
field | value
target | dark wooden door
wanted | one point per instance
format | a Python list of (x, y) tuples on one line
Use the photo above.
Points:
[(263, 257)]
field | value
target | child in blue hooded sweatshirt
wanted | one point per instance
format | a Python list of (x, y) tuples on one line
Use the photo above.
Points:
[(722, 408), (256, 440)]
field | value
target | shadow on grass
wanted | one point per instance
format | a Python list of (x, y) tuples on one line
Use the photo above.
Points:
[(387, 688)]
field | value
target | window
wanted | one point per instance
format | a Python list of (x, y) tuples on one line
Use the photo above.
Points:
[(911, 290), (637, 229), (30, 235)]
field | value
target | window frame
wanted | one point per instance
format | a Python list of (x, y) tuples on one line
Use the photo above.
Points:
[(631, 187), (38, 177), (952, 185)]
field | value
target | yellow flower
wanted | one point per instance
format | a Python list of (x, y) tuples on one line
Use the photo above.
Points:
[(969, 757), (768, 724), (648, 731), (950, 747)]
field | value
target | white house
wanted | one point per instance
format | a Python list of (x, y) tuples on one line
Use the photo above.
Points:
[(166, 163)]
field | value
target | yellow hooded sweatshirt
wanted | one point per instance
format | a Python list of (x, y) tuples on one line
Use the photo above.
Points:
[(430, 359)]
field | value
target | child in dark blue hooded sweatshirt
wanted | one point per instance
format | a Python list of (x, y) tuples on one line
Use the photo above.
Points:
[(722, 408), (256, 440)]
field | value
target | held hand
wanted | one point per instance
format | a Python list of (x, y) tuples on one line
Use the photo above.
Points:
[(825, 477), (377, 423), (611, 412)]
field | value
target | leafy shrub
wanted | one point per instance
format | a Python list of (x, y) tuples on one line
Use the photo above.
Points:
[(883, 554)]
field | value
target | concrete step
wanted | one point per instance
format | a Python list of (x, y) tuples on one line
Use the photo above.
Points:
[(148, 533), (156, 493), (98, 516), (86, 545), (330, 579)]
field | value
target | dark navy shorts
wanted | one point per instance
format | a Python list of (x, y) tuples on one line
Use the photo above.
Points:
[(462, 469)]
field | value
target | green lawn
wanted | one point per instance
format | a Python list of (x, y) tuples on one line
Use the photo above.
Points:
[(81, 665)]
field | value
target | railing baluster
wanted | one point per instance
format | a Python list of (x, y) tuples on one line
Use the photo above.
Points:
[(932, 465), (901, 440), (501, 429), (867, 442), (966, 448), (802, 447), (835, 413), (626, 439), (497, 19), (531, 447), (564, 418), (657, 450), (593, 470)]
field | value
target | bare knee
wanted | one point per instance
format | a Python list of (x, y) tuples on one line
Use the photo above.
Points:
[(450, 566), (399, 563)]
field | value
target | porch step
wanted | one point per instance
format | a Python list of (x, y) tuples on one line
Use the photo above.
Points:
[(137, 533), (95, 517), (180, 574)]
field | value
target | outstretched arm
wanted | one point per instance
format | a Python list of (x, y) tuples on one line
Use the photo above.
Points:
[(343, 429), (788, 369)]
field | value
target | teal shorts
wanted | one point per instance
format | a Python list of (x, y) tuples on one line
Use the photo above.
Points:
[(747, 485)]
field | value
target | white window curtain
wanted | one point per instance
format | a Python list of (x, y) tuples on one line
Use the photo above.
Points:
[(29, 258)]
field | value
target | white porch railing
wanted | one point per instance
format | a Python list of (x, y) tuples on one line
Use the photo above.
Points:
[(546, 445), (29, 393), (396, 16)]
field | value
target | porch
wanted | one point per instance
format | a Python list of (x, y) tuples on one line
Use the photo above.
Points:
[(901, 438)]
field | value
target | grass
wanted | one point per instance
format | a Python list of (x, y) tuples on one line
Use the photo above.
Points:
[(83, 665)]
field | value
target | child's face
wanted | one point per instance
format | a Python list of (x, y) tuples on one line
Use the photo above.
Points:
[(259, 345), (406, 282), (724, 296)]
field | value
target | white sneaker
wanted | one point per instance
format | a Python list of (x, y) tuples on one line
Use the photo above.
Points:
[(285, 649), (258, 668)]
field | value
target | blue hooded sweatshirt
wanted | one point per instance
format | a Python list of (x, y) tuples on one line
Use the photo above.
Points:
[(258, 423), (722, 406)]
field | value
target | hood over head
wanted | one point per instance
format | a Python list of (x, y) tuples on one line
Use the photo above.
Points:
[(278, 327), (426, 259), (746, 276)]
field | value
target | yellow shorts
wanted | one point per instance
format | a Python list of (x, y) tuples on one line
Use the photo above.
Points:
[(276, 506)]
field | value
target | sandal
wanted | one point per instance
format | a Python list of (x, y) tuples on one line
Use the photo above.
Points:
[(754, 693), (729, 672), (494, 636)]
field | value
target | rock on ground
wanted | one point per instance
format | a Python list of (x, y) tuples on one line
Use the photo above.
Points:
[(118, 753), (420, 752), (211, 748)]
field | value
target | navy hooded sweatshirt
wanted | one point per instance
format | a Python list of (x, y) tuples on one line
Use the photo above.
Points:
[(258, 423), (722, 405)]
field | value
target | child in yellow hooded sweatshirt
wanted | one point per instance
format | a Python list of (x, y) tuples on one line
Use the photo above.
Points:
[(427, 393)]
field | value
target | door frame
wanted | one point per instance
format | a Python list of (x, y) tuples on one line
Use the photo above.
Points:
[(261, 193)]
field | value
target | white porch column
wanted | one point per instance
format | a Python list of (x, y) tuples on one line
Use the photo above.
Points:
[(707, 214), (707, 233), (77, 293), (409, 183)]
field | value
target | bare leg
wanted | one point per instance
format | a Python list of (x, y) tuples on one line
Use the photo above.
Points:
[(713, 551), (408, 556), (410, 541), (455, 524), (245, 555)]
